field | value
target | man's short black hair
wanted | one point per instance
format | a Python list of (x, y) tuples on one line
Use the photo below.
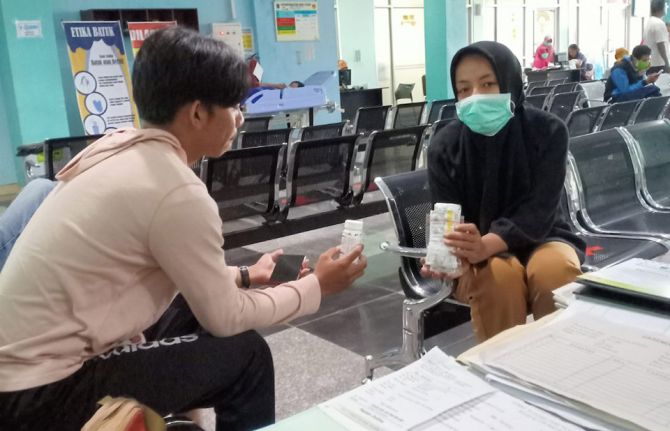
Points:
[(574, 46), (640, 51), (657, 6), (176, 66)]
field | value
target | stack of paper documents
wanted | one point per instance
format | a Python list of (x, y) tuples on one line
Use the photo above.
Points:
[(636, 277), (436, 393), (584, 368)]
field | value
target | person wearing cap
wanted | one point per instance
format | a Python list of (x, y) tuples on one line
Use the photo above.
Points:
[(628, 81), (544, 54)]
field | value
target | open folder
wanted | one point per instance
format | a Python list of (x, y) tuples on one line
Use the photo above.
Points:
[(639, 278)]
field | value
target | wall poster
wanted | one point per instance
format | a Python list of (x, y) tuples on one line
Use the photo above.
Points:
[(296, 21), (141, 30), (101, 77)]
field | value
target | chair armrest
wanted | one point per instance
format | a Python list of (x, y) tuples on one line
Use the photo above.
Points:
[(415, 253), (589, 268)]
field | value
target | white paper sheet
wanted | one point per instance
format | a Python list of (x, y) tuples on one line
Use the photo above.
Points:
[(638, 275), (408, 397), (622, 371), (496, 411)]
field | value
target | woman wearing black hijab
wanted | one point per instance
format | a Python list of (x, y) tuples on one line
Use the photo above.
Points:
[(504, 163)]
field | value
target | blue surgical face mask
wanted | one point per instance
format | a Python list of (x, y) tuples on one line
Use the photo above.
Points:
[(485, 114)]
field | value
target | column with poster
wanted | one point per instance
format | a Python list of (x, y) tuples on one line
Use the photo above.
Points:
[(101, 77), (141, 30), (296, 21)]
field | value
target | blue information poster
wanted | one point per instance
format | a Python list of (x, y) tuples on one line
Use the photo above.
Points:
[(101, 77)]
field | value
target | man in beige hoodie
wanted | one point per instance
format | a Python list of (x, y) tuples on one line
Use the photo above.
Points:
[(128, 227)]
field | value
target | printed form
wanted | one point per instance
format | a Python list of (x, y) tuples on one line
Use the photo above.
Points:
[(618, 370), (435, 393)]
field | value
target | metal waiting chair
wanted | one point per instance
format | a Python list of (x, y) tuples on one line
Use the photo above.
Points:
[(584, 121), (405, 115), (404, 91), (323, 131), (243, 181), (566, 88), (447, 112), (383, 153), (563, 104), (371, 118), (608, 184), (650, 143), (594, 91), (316, 171), (618, 115), (427, 138), (541, 90), (534, 84), (255, 124), (432, 112), (263, 138), (538, 101), (555, 82), (602, 249), (427, 309), (59, 151), (650, 109)]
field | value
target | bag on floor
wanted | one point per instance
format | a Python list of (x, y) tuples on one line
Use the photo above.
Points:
[(124, 414)]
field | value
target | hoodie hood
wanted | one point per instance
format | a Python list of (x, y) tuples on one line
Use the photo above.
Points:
[(113, 143)]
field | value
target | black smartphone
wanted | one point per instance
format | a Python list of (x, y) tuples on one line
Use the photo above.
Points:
[(287, 268), (655, 69)]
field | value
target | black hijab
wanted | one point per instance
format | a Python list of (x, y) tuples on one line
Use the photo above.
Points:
[(509, 183)]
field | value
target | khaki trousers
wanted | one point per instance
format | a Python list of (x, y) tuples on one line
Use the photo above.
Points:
[(502, 292)]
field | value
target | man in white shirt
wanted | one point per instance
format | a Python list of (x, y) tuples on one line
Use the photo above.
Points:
[(656, 36)]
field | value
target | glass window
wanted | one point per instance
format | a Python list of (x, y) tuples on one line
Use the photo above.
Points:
[(510, 27), (488, 23), (591, 33)]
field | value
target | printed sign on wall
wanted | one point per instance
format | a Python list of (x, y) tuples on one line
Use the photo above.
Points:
[(141, 30), (101, 76), (296, 21)]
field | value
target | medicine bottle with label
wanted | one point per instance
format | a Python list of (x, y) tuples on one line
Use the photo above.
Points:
[(443, 219), (352, 235)]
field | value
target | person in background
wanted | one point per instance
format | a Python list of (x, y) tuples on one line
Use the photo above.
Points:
[(16, 216), (255, 81), (627, 80), (341, 64), (504, 163), (296, 84), (544, 54), (656, 36), (619, 54), (574, 54), (128, 228)]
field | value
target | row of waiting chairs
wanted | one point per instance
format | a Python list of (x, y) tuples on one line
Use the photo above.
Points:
[(616, 198), (255, 130), (597, 118), (269, 180)]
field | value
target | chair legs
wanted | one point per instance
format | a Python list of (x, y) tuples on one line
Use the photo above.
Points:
[(412, 333)]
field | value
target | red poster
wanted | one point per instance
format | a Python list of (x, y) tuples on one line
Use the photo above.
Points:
[(140, 30)]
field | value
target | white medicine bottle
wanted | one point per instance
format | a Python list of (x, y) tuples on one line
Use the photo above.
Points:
[(443, 218), (352, 235)]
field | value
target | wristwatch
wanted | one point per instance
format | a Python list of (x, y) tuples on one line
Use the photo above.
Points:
[(244, 275)]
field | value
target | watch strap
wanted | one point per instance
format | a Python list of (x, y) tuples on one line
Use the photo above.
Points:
[(244, 275)]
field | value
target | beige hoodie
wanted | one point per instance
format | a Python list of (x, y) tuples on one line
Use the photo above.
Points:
[(128, 226)]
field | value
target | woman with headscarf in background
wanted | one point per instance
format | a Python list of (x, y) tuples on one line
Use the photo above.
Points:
[(504, 163), (544, 54)]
